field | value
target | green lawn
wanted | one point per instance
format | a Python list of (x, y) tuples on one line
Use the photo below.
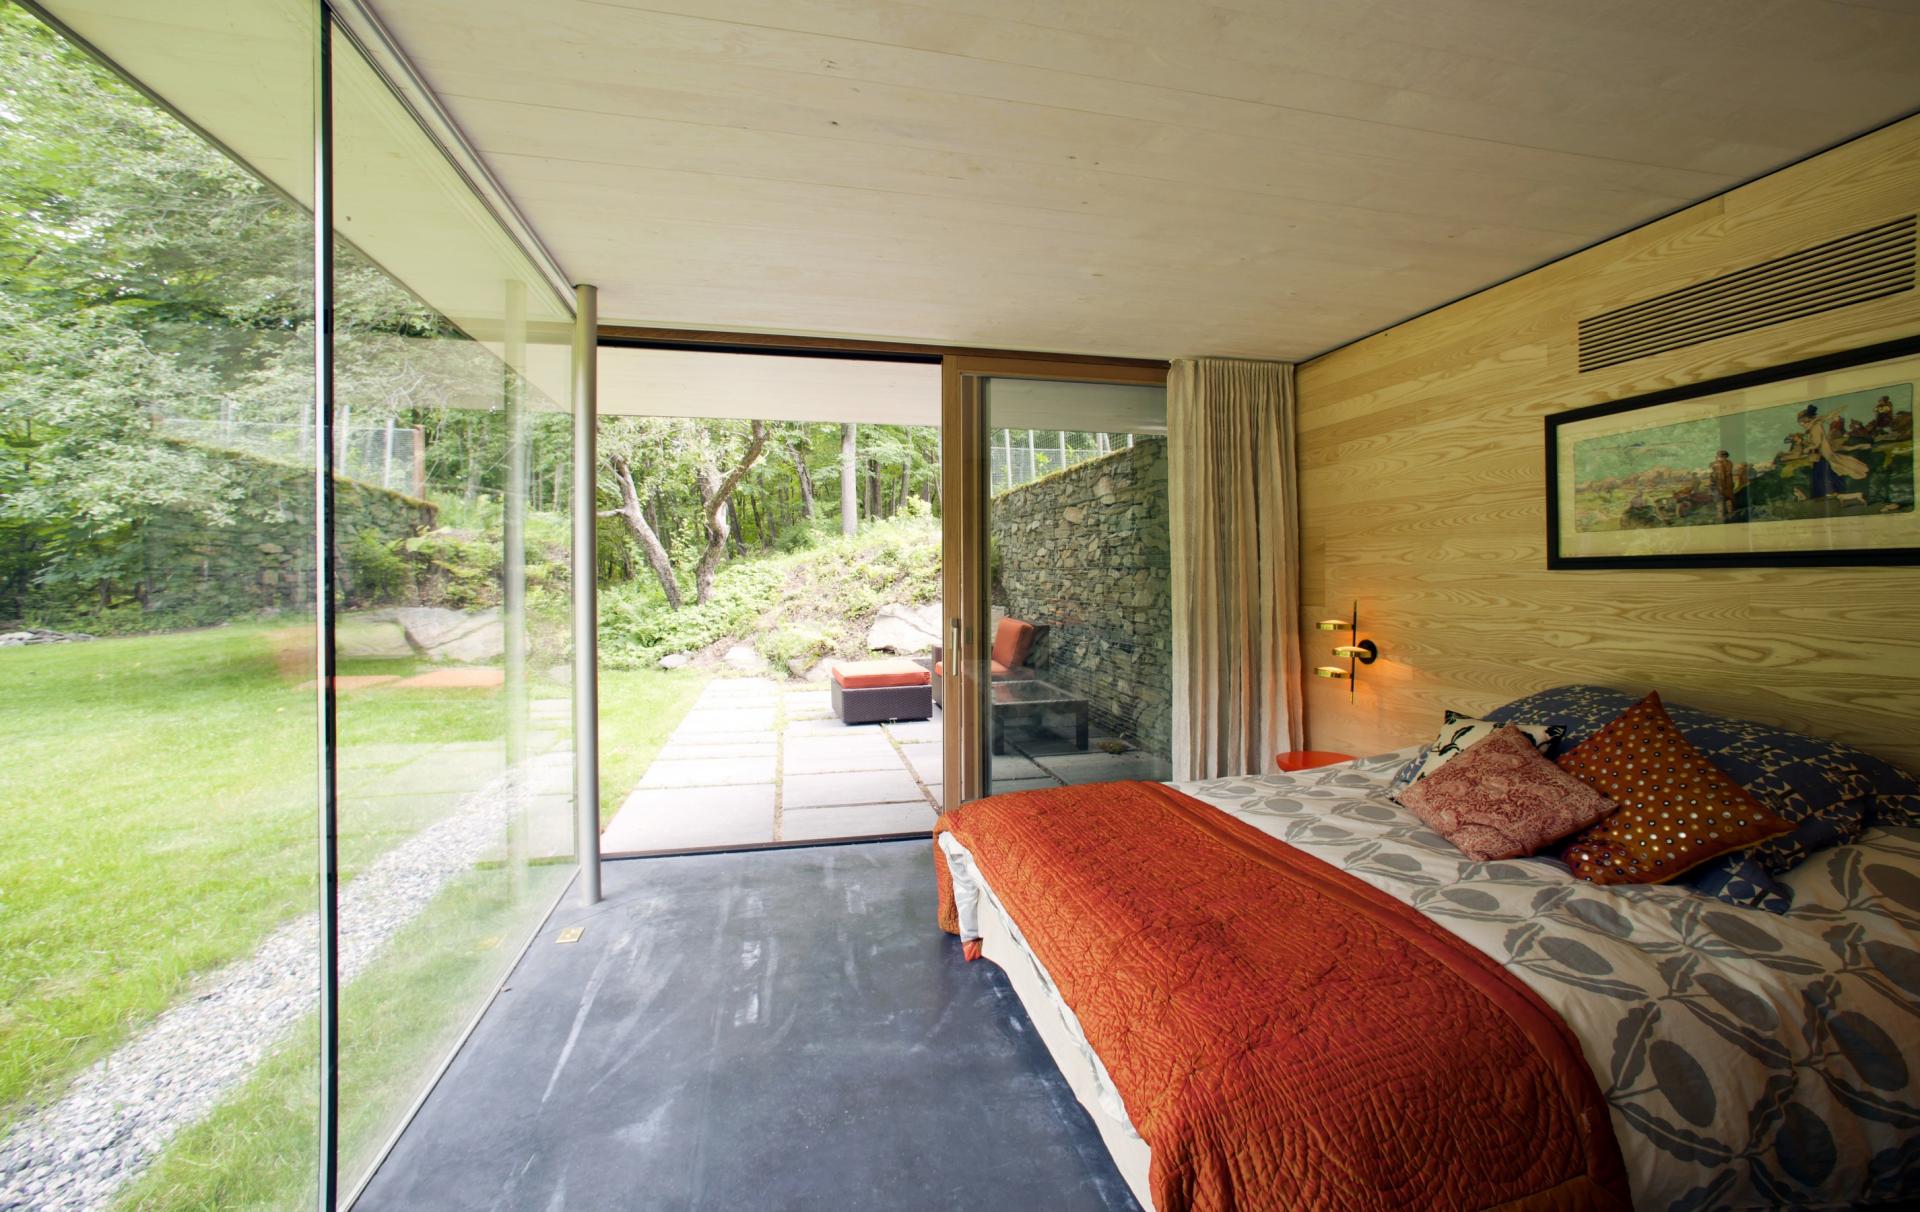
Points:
[(639, 709), (255, 1150), (156, 820)]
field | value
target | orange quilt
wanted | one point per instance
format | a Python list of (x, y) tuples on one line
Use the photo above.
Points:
[(1284, 1035)]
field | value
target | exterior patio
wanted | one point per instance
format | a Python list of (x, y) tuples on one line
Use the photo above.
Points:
[(758, 761)]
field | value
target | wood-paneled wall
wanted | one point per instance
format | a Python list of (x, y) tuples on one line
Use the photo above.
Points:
[(1423, 495)]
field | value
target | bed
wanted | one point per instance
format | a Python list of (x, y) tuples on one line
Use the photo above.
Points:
[(1740, 1058)]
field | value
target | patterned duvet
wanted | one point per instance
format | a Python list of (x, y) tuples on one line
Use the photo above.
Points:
[(1749, 1059)]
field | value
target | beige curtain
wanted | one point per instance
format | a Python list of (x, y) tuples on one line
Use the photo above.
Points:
[(1236, 584)]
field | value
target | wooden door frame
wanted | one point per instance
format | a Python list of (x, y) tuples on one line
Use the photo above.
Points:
[(964, 490)]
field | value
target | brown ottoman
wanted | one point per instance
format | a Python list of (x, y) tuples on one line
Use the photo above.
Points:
[(867, 692)]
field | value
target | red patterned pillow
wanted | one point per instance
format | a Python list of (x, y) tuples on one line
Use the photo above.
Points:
[(1500, 799), (1677, 809)]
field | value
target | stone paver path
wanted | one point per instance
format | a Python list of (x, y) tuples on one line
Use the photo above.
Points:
[(762, 761)]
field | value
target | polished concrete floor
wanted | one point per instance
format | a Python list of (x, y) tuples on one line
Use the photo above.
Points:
[(772, 1029)]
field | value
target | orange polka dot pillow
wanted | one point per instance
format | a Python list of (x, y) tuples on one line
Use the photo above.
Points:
[(1675, 811)]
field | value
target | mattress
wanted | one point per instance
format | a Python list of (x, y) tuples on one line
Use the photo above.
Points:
[(1748, 1059)]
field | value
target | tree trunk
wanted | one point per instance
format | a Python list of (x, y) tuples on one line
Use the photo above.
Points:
[(806, 480), (473, 464), (762, 513), (716, 494), (735, 529), (636, 520), (906, 480), (873, 489), (849, 508)]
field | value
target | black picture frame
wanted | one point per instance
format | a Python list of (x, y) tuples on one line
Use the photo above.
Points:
[(1811, 558)]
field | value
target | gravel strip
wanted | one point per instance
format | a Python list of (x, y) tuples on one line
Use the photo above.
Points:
[(115, 1118)]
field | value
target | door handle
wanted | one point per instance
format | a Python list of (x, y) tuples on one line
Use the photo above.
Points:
[(953, 649)]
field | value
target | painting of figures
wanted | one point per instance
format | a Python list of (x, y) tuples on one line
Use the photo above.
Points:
[(1809, 463), (1839, 455)]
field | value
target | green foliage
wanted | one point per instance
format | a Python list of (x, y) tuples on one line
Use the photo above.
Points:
[(804, 643), (378, 572), (804, 605), (636, 628), (457, 569), (797, 538), (145, 276), (896, 469)]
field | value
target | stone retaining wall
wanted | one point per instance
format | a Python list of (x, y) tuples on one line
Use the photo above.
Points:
[(1085, 551), (264, 559)]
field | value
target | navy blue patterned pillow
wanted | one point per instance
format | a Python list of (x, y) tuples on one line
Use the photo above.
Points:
[(1741, 879), (1797, 776), (1738, 880)]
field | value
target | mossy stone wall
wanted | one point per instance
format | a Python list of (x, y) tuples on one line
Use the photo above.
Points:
[(1085, 551)]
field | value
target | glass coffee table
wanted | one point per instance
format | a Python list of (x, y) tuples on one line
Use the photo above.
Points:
[(1033, 697)]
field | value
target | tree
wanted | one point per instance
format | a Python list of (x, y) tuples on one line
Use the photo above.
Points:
[(849, 486), (797, 446), (629, 511), (716, 492), (144, 276)]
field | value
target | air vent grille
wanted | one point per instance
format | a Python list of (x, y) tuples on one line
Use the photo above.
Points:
[(1868, 264)]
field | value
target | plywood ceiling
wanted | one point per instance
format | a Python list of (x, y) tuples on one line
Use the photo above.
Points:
[(1139, 177)]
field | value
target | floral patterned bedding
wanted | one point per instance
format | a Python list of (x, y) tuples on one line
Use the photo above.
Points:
[(1750, 1059)]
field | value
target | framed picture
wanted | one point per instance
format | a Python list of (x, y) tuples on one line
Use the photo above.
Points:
[(1805, 464)]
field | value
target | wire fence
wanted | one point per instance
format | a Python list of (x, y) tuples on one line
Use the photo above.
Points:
[(387, 455), (1018, 456)]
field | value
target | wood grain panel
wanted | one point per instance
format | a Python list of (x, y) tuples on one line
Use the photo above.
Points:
[(1423, 495)]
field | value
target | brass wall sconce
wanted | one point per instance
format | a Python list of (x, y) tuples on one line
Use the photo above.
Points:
[(1357, 653)]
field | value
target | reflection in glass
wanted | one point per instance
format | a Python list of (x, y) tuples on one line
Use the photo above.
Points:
[(157, 791), (158, 469), (456, 763), (1079, 585)]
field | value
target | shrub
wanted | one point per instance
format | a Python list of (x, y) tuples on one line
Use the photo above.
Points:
[(802, 642), (455, 568), (811, 602), (376, 572), (636, 628), (797, 538)]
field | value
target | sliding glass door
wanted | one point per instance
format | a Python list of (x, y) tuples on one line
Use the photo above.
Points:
[(1059, 576)]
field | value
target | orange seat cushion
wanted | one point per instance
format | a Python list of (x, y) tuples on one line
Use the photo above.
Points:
[(1012, 644), (998, 669), (866, 675)]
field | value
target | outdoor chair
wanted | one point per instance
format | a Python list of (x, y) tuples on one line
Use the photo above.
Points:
[(1014, 642)]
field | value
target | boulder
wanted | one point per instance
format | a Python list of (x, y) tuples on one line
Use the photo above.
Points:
[(370, 638), (40, 635), (745, 658), (453, 635), (675, 660), (905, 630)]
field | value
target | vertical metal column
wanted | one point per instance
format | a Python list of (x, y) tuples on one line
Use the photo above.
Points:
[(586, 608), (327, 775), (513, 539)]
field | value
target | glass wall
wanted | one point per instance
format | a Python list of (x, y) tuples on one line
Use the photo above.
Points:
[(161, 450), (1078, 583), (456, 826), (157, 774)]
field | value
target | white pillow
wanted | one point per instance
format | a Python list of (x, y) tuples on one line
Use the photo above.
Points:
[(1460, 733)]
